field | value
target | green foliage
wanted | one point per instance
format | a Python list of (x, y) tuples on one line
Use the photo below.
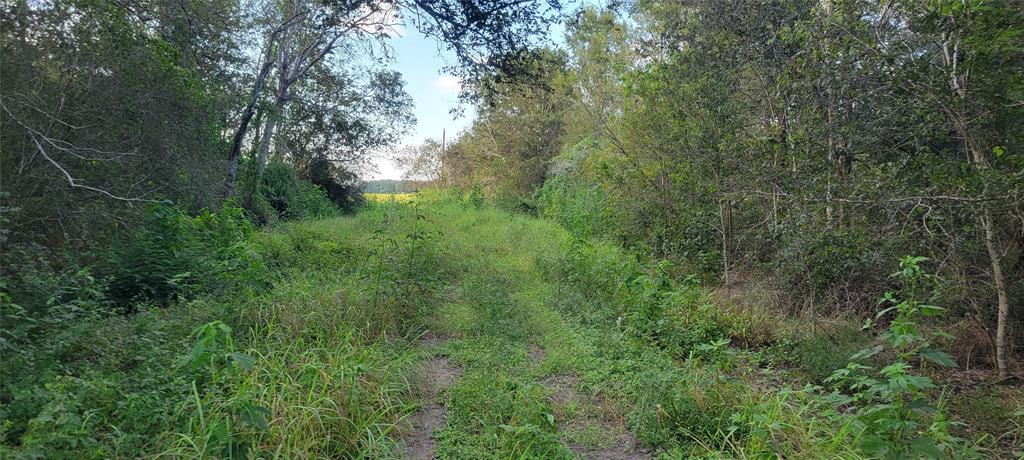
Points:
[(475, 195), (515, 421), (646, 302), (552, 342), (78, 375), (403, 271), (836, 258), (174, 256), (893, 403), (137, 119), (292, 198), (218, 369), (819, 352)]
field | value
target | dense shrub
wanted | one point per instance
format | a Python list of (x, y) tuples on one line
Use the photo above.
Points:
[(475, 195), (844, 265), (282, 195), (291, 197), (646, 301), (107, 371), (899, 416), (173, 256), (686, 235)]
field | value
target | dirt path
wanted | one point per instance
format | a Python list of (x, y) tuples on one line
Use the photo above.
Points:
[(419, 442), (593, 428)]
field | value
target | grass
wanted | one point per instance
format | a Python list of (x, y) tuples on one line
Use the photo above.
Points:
[(565, 348)]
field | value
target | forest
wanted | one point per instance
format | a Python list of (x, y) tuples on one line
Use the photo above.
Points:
[(671, 229)]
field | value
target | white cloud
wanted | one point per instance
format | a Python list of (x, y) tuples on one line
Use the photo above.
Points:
[(448, 83)]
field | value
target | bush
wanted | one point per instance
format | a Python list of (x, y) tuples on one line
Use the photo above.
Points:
[(845, 264), (475, 196), (818, 353), (894, 407), (173, 256), (291, 197)]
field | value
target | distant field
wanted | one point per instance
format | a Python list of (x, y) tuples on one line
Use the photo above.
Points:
[(391, 197)]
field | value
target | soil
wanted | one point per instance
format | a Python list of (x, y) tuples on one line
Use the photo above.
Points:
[(419, 441)]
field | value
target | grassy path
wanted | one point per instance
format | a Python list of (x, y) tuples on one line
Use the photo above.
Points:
[(444, 331), (517, 395), (439, 330), (513, 340)]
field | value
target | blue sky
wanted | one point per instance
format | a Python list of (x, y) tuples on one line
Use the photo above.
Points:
[(420, 60)]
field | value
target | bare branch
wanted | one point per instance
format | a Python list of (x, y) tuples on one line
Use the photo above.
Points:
[(71, 180)]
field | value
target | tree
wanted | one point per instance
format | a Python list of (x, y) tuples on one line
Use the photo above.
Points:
[(518, 130), (421, 162), (307, 32), (91, 97)]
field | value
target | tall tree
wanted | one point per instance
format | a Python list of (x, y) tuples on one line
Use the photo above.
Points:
[(484, 34)]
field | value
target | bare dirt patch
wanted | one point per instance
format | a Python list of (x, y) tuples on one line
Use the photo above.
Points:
[(535, 353), (419, 441), (591, 426)]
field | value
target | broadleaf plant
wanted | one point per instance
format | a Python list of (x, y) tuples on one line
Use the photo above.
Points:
[(894, 407)]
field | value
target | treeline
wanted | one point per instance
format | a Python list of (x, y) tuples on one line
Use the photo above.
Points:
[(790, 150), (393, 186)]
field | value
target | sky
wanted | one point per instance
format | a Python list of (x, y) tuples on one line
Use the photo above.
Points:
[(421, 60)]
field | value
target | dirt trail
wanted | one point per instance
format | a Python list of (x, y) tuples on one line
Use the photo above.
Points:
[(419, 442), (581, 417)]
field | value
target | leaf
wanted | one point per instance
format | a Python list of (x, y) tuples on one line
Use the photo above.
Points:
[(938, 357), (874, 444), (255, 415), (922, 405), (244, 362), (836, 399), (884, 311), (925, 446), (866, 353)]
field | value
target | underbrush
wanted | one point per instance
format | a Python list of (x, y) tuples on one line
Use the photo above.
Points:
[(299, 342), (205, 338), (726, 398)]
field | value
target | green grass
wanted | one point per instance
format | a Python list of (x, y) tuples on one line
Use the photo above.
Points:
[(560, 343)]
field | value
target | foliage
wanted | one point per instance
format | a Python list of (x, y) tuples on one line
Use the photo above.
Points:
[(115, 104), (893, 405), (622, 347), (801, 143), (516, 132), (706, 168), (475, 196), (173, 256), (292, 198)]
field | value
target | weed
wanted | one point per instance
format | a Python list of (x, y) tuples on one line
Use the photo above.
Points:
[(893, 404)]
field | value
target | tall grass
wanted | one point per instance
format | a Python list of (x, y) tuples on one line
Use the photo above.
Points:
[(319, 364)]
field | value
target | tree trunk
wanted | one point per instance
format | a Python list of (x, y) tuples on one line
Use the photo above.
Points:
[(962, 121), (268, 134), (988, 224), (1003, 299), (243, 126), (725, 215), (285, 77)]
